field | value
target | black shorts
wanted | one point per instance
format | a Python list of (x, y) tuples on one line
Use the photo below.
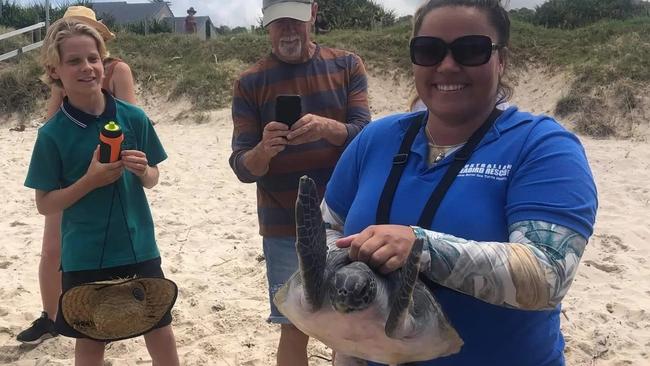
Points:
[(150, 268)]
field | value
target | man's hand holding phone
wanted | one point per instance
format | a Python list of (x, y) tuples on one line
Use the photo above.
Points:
[(274, 139), (310, 128), (307, 128)]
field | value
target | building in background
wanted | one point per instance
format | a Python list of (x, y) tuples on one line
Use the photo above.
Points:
[(125, 14), (204, 27)]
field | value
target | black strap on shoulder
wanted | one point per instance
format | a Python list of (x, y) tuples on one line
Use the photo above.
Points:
[(399, 163), (460, 159)]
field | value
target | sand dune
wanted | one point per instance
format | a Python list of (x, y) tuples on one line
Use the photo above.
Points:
[(207, 230)]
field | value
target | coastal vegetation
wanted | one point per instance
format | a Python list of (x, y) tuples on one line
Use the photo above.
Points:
[(608, 61)]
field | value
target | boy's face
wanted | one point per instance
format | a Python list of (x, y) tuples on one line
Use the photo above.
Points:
[(81, 69)]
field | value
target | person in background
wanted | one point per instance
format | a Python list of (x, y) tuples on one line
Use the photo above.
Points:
[(118, 80), (190, 22), (503, 244), (332, 86)]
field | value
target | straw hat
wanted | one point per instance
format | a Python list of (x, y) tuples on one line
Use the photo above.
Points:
[(87, 15), (114, 310)]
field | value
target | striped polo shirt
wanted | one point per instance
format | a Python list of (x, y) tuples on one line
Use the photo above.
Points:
[(332, 84)]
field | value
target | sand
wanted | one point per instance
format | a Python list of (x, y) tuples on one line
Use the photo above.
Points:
[(207, 232)]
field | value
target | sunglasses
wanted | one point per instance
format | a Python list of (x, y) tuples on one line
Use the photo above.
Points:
[(474, 50)]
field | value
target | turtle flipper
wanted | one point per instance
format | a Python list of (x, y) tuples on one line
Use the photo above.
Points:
[(311, 243), (402, 298)]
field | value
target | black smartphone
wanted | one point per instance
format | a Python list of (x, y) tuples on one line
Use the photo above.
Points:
[(288, 109)]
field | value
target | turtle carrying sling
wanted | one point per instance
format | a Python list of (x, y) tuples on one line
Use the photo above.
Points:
[(399, 163)]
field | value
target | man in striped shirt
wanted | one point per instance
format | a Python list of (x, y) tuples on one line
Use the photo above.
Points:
[(332, 85)]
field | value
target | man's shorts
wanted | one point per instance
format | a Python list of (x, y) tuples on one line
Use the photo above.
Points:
[(281, 263), (150, 268)]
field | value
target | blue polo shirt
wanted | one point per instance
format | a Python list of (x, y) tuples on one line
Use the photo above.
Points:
[(115, 219), (526, 168)]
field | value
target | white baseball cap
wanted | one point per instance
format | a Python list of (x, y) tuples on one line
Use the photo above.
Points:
[(294, 9)]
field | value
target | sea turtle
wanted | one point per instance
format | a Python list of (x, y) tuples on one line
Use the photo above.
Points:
[(359, 313)]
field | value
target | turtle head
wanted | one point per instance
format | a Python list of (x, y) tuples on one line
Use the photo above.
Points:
[(354, 288)]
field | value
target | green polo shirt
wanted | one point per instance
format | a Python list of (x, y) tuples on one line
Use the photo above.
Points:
[(112, 225)]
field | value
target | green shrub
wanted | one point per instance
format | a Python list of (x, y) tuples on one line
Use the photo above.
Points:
[(579, 13), (613, 54), (20, 89), (355, 14)]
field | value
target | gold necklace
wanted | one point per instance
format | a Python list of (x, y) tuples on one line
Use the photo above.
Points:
[(441, 149), (441, 152)]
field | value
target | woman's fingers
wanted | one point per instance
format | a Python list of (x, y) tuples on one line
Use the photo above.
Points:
[(358, 242), (381, 256), (368, 248), (392, 264), (345, 242)]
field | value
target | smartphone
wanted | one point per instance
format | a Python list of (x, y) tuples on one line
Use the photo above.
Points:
[(288, 109)]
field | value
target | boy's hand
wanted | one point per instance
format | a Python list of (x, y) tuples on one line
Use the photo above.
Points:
[(135, 161), (100, 174)]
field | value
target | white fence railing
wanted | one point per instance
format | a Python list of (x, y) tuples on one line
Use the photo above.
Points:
[(27, 48)]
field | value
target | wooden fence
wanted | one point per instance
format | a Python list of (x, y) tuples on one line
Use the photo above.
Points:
[(36, 42)]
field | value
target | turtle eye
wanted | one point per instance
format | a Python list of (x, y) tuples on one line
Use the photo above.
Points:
[(138, 294)]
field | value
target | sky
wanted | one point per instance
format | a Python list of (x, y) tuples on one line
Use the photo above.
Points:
[(246, 12)]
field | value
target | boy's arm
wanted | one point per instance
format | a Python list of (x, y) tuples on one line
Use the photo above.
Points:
[(137, 163), (98, 175), (58, 200), (150, 177)]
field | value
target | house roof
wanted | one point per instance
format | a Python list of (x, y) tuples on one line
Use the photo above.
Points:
[(124, 13)]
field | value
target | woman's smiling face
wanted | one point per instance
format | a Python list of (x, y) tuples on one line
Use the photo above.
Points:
[(451, 91)]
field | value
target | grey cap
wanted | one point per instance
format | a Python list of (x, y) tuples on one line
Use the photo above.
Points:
[(294, 9)]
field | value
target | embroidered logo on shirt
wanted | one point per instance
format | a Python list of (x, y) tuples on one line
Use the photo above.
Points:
[(487, 171)]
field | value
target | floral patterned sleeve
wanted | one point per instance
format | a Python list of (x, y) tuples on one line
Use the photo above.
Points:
[(532, 272)]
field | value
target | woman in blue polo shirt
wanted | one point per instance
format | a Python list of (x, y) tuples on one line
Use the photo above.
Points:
[(515, 199)]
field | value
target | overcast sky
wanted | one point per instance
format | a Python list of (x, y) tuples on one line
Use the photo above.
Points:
[(246, 12)]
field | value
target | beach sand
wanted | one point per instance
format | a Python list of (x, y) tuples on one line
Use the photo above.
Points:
[(206, 227)]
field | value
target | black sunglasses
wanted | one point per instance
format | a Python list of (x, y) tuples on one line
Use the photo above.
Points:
[(471, 50)]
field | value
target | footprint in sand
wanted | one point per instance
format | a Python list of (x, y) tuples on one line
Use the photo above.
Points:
[(609, 268), (612, 243)]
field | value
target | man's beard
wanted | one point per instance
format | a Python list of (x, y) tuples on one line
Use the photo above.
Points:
[(290, 47)]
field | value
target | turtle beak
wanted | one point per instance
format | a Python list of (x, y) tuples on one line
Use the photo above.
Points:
[(353, 289)]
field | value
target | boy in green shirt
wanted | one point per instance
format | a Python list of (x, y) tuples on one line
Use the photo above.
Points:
[(107, 229)]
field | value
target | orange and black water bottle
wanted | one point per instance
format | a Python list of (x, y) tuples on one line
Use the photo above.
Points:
[(110, 141)]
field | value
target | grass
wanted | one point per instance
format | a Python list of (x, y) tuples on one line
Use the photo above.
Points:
[(609, 59)]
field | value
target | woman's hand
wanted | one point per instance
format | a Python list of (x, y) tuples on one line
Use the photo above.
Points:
[(383, 247)]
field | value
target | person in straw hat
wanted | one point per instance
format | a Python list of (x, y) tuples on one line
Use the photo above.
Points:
[(118, 80), (112, 281), (190, 22)]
